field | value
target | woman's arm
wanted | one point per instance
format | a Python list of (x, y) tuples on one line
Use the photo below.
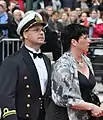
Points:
[(95, 110)]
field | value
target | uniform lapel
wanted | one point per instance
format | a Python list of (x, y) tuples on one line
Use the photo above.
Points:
[(48, 66), (31, 68)]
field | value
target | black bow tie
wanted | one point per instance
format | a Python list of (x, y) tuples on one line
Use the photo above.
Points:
[(40, 55)]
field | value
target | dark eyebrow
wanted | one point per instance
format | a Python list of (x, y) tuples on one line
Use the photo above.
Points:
[(85, 36)]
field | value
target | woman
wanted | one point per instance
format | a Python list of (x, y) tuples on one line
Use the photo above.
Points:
[(73, 17), (73, 80), (83, 19), (93, 20), (98, 29), (64, 19)]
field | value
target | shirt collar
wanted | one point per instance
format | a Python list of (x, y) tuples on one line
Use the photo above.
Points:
[(33, 50)]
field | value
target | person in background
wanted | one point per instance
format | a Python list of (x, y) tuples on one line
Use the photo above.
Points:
[(25, 77), (53, 22), (83, 19), (101, 6), (98, 30), (95, 4), (49, 9), (64, 19), (19, 3), (51, 38), (83, 5), (79, 11), (17, 17), (5, 20), (56, 4), (93, 20), (56, 27), (67, 10), (11, 6), (71, 75), (73, 17)]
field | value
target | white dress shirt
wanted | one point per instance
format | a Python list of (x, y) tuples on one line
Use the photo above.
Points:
[(41, 69)]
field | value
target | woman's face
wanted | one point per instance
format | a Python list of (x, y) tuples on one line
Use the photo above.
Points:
[(64, 16), (17, 15), (94, 14), (73, 17), (83, 16), (83, 43)]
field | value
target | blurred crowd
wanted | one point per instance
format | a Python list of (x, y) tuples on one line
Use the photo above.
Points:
[(56, 14), (61, 13)]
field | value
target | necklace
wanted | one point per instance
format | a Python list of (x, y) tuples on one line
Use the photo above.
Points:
[(80, 64)]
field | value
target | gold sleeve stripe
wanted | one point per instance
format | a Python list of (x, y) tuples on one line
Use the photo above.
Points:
[(7, 112)]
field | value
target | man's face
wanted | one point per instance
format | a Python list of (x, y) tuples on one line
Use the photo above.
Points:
[(34, 36), (50, 11), (78, 10), (55, 17)]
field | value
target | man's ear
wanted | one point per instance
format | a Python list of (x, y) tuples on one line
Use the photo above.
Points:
[(25, 35)]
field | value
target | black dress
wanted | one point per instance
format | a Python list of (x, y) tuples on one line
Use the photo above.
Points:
[(86, 85)]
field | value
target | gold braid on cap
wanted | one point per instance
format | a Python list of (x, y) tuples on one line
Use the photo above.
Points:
[(36, 20)]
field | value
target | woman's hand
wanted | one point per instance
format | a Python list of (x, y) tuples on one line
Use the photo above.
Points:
[(96, 111)]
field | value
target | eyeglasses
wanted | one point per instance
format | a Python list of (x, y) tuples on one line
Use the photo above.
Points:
[(37, 30)]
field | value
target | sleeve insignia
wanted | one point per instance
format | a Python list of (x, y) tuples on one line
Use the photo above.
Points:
[(7, 112)]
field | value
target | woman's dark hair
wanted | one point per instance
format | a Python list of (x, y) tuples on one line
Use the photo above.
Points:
[(84, 12), (93, 9), (72, 31)]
